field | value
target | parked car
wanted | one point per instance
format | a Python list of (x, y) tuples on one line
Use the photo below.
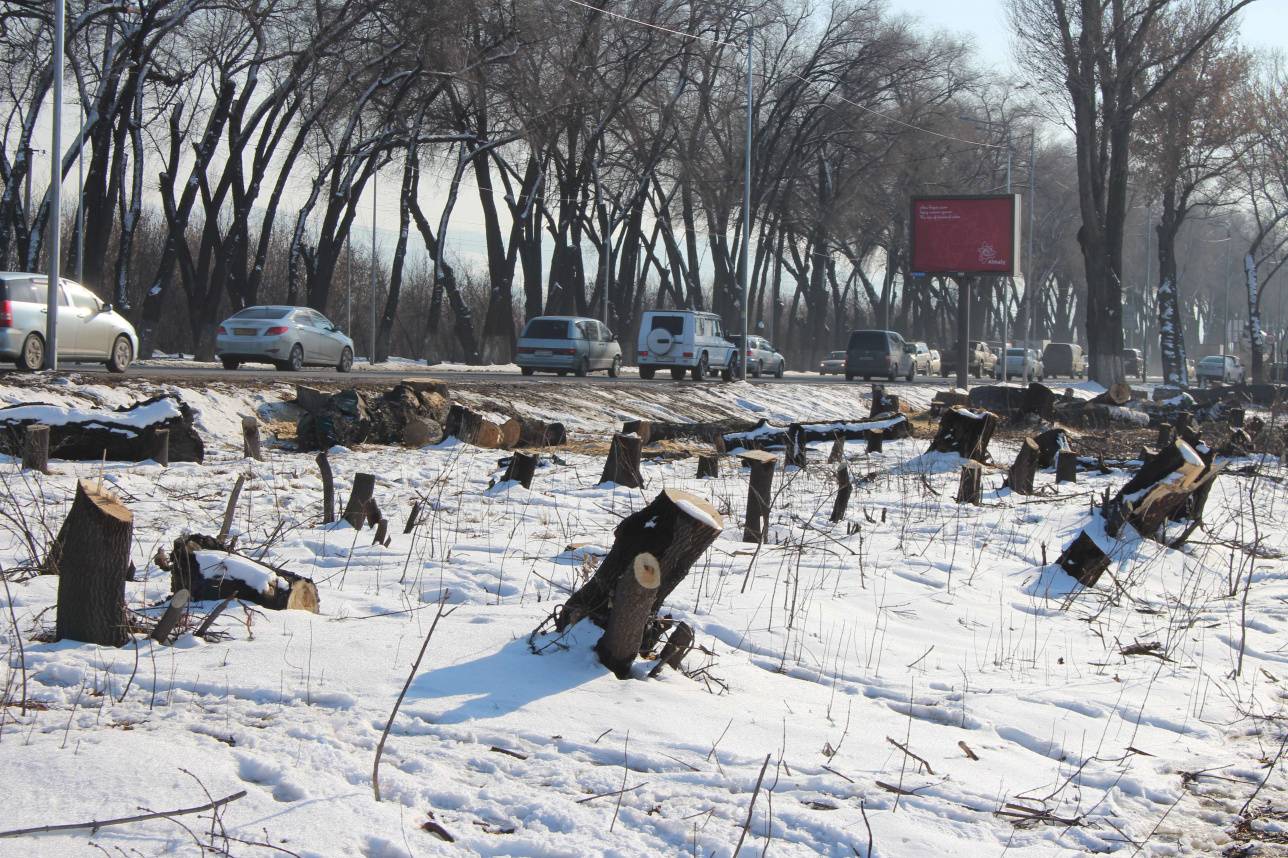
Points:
[(1133, 363), (833, 364), (921, 361), (565, 344), (684, 341), (1020, 363), (290, 338), (878, 353), (761, 356), (981, 357), (936, 362), (88, 329), (1064, 359), (1227, 369)]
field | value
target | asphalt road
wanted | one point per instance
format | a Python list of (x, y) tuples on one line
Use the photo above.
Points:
[(266, 374)]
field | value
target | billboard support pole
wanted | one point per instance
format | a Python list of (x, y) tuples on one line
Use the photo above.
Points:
[(963, 330)]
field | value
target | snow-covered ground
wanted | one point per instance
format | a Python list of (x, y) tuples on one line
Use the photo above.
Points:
[(917, 621)]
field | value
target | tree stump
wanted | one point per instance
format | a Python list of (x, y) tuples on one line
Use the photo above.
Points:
[(173, 613), (205, 567), (230, 509), (382, 533), (965, 432), (1050, 442), (623, 463), (794, 455), (1165, 435), (91, 556), (759, 487), (1235, 417), (413, 517), (642, 428), (161, 447), (876, 441), (844, 488), (250, 438), (718, 442), (355, 510), (1084, 560), (1066, 467), (678, 644), (837, 456), (882, 402), (1040, 400), (970, 488), (708, 466), (35, 448), (328, 488), (522, 468), (1023, 469), (372, 514), (655, 546)]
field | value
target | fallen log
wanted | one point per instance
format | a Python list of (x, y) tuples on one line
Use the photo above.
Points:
[(658, 543), (766, 435), (93, 434), (204, 567), (965, 432), (470, 426), (352, 417), (91, 556), (945, 399)]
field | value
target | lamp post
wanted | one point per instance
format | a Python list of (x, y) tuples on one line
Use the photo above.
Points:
[(374, 199), (1225, 322), (746, 221), (55, 194)]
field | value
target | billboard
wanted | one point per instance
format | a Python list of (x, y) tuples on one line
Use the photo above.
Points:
[(966, 234)]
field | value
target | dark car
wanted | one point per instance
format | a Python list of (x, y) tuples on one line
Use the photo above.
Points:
[(1133, 363), (884, 353), (1064, 359)]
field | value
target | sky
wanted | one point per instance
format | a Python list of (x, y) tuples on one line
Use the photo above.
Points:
[(1264, 24)]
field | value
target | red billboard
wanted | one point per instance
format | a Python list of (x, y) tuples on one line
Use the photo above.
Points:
[(966, 234)]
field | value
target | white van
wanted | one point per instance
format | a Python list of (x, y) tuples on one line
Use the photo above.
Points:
[(684, 341)]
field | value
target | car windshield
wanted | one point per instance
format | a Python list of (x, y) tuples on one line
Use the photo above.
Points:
[(1015, 352), (262, 313), (874, 341), (836, 355), (547, 329), (672, 324), (1212, 360), (1063, 350)]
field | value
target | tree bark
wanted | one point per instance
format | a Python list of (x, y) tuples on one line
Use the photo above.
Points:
[(91, 556)]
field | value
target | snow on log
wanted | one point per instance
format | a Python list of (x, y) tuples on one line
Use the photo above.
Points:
[(654, 549), (90, 434), (765, 435), (204, 567), (965, 432), (91, 556)]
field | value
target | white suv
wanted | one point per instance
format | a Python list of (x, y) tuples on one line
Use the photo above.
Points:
[(684, 341)]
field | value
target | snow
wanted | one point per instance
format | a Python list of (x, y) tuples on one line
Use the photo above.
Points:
[(60, 415), (917, 619), (697, 513), (215, 565)]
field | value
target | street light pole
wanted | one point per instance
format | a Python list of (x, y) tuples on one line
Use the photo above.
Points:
[(1030, 284), (374, 198), (80, 195), (1225, 330), (1007, 282), (746, 220), (55, 194)]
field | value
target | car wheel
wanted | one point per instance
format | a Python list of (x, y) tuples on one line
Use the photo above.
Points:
[(583, 367), (759, 370), (295, 362), (677, 372), (726, 374), (526, 370), (782, 369), (346, 360), (701, 371), (230, 363), (646, 373), (32, 355), (615, 368), (121, 356), (912, 373)]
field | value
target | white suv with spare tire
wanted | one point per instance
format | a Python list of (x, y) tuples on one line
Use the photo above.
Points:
[(684, 342)]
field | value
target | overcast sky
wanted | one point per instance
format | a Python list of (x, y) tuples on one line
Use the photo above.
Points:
[(1264, 24)]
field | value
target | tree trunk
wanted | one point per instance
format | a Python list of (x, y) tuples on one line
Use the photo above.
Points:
[(91, 556), (708, 466), (971, 485), (35, 448), (355, 511), (522, 468), (844, 488), (1066, 467), (1020, 476), (623, 463)]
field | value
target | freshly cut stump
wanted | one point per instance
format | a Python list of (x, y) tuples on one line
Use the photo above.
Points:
[(623, 463), (91, 556), (758, 493)]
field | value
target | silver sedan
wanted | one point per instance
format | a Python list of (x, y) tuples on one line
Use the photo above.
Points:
[(290, 338)]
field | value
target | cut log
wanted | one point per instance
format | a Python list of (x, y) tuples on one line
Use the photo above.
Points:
[(623, 463), (328, 488), (352, 417), (1050, 442), (161, 447), (1066, 467), (511, 434), (844, 488), (173, 613), (765, 435), (1020, 477), (1084, 560), (355, 510), (521, 469), (539, 433), (876, 441), (1040, 400), (250, 438), (35, 448), (204, 567), (632, 606), (837, 455), (759, 487), (1118, 393), (945, 399), (1095, 415), (93, 434), (91, 556), (970, 487), (708, 466), (674, 529), (642, 428), (965, 432), (678, 644), (230, 509)]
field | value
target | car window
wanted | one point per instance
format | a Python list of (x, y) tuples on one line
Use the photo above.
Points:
[(671, 324), (82, 299), (715, 328), (22, 289), (322, 321), (869, 340), (547, 329), (262, 313)]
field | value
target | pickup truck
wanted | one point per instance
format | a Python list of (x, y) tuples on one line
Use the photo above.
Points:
[(982, 360)]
